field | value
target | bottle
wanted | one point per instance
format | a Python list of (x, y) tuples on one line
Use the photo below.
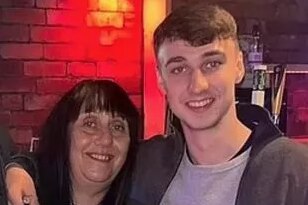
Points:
[(258, 70), (258, 85), (255, 55)]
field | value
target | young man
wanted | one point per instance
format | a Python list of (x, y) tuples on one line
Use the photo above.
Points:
[(226, 153)]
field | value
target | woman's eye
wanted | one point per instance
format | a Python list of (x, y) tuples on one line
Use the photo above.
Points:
[(90, 124), (178, 70), (118, 127)]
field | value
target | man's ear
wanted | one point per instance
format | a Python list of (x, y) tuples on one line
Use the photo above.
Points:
[(240, 68), (160, 80)]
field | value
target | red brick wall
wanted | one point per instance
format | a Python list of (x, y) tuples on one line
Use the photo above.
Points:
[(46, 46)]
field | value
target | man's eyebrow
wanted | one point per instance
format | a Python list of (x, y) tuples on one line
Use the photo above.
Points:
[(213, 53), (175, 59)]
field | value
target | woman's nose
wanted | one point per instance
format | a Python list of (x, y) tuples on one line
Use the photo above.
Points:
[(104, 138)]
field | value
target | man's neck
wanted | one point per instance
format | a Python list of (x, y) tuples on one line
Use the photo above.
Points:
[(217, 144)]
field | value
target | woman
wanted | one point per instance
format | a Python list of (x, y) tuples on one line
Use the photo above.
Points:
[(87, 146)]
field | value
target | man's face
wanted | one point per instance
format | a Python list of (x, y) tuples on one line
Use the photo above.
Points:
[(199, 81)]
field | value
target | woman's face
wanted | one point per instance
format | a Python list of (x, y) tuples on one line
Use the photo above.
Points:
[(99, 146)]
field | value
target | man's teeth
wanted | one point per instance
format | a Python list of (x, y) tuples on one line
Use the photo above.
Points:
[(101, 157), (201, 103)]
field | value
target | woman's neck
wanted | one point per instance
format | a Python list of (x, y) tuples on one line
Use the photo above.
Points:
[(83, 195)]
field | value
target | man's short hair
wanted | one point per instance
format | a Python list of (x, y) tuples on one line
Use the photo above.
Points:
[(198, 24)]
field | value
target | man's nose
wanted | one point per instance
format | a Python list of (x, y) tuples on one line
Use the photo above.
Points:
[(199, 82)]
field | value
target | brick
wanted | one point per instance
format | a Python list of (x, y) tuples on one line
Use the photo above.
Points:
[(112, 5), (99, 53), (46, 3), (22, 3), (40, 102), (74, 5), (132, 20), (51, 34), (128, 50), (5, 118), (105, 19), (109, 37), (30, 118), (64, 52), (11, 68), (81, 69), (88, 36), (103, 5), (129, 15), (137, 100), (126, 5), (130, 24), (21, 135), (124, 49), (115, 69), (65, 18), (21, 51), (5, 3), (17, 85), (54, 86), (16, 33), (46, 69), (12, 102), (23, 16), (131, 85)]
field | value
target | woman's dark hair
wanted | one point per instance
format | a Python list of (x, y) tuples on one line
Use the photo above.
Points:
[(54, 147)]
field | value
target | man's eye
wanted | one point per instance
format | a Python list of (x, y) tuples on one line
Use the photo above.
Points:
[(213, 65), (178, 70)]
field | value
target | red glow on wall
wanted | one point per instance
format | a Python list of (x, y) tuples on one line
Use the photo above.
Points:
[(48, 46), (154, 102), (107, 14)]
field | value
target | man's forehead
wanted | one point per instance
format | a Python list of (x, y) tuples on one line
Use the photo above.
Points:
[(180, 47)]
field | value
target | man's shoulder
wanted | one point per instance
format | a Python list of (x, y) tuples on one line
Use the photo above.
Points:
[(287, 153), (289, 148), (159, 150)]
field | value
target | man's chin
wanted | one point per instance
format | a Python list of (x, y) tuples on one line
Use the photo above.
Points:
[(195, 125)]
